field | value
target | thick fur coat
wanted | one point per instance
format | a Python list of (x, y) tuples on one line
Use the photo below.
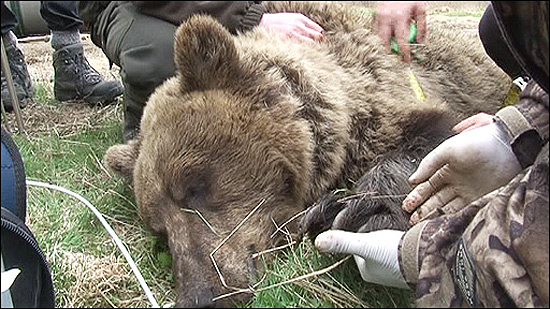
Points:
[(256, 125)]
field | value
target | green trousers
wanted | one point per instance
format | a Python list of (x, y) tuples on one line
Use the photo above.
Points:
[(142, 46)]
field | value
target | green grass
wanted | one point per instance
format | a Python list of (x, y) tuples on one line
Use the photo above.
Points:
[(340, 287), (65, 226), (43, 92), (87, 268)]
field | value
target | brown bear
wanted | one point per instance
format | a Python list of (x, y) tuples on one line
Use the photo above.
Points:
[(258, 127)]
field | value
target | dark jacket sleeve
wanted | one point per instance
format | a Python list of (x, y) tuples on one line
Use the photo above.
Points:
[(236, 16), (524, 30), (524, 26)]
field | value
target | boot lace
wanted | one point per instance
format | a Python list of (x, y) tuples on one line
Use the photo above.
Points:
[(84, 70)]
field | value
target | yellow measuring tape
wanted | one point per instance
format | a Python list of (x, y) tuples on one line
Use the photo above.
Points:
[(415, 85), (512, 96)]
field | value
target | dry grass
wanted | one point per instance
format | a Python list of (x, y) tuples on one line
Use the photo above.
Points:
[(64, 119), (94, 278), (69, 117)]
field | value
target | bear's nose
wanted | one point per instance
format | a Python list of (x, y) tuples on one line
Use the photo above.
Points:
[(200, 299)]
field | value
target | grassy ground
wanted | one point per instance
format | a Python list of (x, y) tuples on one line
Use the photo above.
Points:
[(87, 267), (64, 144)]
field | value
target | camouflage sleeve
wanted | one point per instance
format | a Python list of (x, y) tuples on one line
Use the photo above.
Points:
[(492, 253), (533, 104), (526, 123)]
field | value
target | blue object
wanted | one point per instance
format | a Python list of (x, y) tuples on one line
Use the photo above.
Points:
[(14, 189), (33, 287)]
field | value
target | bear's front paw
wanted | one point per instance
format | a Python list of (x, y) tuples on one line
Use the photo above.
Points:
[(367, 212), (320, 216)]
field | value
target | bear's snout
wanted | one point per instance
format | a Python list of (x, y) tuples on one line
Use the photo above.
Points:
[(203, 298)]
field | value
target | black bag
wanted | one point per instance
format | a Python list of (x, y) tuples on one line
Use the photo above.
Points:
[(33, 287)]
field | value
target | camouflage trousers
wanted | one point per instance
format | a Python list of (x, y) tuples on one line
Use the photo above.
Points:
[(492, 253)]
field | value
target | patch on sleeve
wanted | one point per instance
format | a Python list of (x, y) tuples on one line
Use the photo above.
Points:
[(464, 274)]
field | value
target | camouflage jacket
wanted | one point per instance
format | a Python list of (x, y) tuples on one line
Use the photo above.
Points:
[(494, 251)]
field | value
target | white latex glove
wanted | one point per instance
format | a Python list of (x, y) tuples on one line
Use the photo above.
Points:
[(460, 170), (292, 25), (375, 253)]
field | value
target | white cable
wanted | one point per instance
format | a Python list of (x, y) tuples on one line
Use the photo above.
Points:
[(111, 232)]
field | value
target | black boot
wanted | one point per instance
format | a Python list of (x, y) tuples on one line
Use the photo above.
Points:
[(20, 76), (75, 79)]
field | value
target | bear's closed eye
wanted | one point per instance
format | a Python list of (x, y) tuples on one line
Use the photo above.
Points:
[(197, 192)]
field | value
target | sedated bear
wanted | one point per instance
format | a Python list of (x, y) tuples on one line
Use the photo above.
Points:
[(254, 126)]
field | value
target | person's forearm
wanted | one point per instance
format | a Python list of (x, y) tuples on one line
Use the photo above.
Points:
[(527, 123)]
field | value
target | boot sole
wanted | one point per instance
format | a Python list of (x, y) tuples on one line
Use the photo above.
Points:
[(105, 98)]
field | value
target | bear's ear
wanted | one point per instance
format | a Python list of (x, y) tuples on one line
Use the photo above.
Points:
[(205, 54), (122, 158)]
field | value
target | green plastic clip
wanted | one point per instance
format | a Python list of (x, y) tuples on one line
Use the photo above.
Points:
[(412, 40)]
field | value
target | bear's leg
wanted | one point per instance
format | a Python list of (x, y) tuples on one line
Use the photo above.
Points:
[(374, 204)]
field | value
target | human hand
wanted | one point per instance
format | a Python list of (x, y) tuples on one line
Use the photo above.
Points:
[(393, 18), (375, 253), (473, 122), (460, 170), (292, 25)]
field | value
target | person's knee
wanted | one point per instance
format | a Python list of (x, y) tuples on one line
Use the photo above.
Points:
[(143, 69), (147, 67), (141, 45)]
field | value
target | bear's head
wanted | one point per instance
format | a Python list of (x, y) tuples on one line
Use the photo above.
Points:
[(220, 163)]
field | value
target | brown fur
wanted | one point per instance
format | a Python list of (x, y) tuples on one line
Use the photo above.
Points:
[(250, 118)]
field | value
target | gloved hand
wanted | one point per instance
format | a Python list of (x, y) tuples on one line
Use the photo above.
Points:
[(375, 253), (460, 170)]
